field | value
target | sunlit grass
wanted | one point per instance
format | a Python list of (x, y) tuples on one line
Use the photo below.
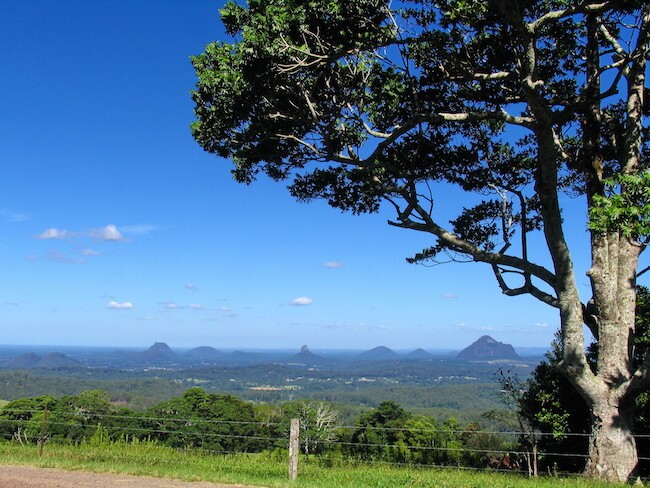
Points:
[(267, 470)]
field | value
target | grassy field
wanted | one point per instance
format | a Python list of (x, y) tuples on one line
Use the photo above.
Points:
[(264, 470)]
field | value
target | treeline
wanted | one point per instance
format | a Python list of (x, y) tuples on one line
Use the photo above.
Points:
[(130, 389), (227, 424), (135, 390)]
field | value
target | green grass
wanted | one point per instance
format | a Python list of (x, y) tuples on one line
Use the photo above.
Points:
[(267, 470)]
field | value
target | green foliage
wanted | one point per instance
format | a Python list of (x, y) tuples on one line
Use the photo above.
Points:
[(125, 388), (23, 418), (359, 101), (205, 420), (380, 432), (626, 206), (390, 433), (226, 424)]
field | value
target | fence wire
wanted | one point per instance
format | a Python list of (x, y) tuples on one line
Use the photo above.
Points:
[(199, 434)]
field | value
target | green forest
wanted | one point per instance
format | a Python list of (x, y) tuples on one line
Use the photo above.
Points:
[(223, 423), (504, 438)]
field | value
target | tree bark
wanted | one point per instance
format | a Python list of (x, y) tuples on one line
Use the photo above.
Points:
[(612, 453), (612, 448)]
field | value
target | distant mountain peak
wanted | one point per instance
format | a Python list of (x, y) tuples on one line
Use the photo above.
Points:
[(204, 351), (379, 353), (419, 353), (57, 360), (160, 347), (306, 356), (53, 360), (486, 348)]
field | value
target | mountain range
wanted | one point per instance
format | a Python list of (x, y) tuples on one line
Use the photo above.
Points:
[(160, 355)]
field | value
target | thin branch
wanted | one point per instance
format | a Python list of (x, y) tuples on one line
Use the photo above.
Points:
[(582, 8), (643, 271), (291, 137), (527, 289), (500, 75), (622, 53), (640, 381), (374, 133)]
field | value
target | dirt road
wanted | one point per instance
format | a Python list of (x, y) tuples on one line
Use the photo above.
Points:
[(30, 477)]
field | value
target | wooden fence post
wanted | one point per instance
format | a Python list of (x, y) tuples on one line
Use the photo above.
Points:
[(294, 448)]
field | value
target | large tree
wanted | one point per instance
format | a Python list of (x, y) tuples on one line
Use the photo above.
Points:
[(517, 102), (549, 403)]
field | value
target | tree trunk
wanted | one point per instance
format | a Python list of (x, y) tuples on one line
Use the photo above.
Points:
[(612, 448)]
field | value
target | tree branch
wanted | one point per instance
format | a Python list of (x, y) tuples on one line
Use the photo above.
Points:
[(302, 142), (527, 289), (587, 6), (457, 244)]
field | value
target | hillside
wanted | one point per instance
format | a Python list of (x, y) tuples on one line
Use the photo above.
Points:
[(487, 349), (379, 353)]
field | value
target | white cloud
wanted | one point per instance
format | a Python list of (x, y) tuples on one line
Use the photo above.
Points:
[(54, 233), (460, 325), (333, 264), (225, 309), (90, 252), (171, 306), (191, 286), (108, 233), (301, 301), (449, 296), (542, 325), (147, 317), (195, 306), (113, 305), (485, 329)]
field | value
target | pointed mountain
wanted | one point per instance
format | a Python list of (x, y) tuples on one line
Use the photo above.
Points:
[(487, 349), (305, 356), (419, 354), (379, 353)]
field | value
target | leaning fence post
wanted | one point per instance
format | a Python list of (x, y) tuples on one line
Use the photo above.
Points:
[(294, 447)]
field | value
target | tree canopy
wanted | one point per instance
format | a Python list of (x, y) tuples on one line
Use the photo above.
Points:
[(517, 102)]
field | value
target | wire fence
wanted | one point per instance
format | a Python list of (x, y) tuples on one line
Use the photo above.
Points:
[(442, 448)]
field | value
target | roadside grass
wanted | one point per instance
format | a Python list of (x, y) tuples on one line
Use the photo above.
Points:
[(262, 470)]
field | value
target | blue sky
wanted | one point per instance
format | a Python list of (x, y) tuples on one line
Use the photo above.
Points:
[(117, 230)]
